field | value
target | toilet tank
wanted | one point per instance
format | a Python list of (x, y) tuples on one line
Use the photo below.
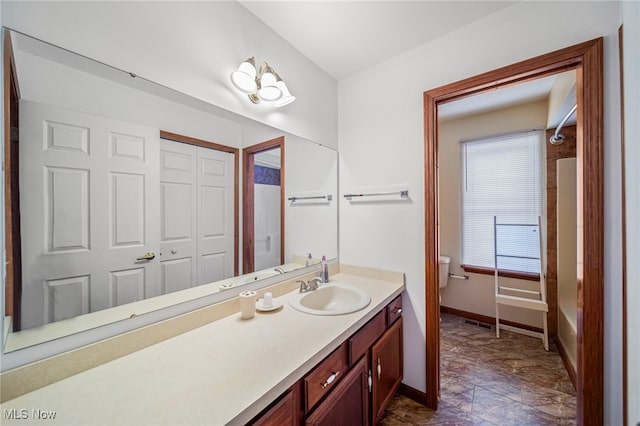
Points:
[(444, 270)]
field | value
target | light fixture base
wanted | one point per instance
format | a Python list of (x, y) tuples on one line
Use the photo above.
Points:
[(253, 97), (261, 84)]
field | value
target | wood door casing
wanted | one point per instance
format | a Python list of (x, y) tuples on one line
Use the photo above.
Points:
[(248, 231), (587, 59), (13, 272)]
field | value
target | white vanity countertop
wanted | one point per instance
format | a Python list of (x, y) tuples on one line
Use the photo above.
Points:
[(63, 328), (224, 372)]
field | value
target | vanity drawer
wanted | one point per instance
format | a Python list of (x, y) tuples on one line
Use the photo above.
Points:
[(360, 342), (325, 376), (394, 310)]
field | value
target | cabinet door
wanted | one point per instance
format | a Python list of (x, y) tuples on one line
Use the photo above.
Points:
[(347, 404), (386, 364), (281, 414)]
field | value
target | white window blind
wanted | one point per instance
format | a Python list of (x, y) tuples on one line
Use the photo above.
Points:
[(501, 176)]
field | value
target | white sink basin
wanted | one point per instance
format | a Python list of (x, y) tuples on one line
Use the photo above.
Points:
[(330, 299)]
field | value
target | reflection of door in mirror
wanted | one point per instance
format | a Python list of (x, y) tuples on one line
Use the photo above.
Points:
[(87, 212), (263, 223), (197, 230), (104, 223), (13, 254)]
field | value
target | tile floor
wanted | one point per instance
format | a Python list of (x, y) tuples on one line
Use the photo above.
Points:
[(490, 381)]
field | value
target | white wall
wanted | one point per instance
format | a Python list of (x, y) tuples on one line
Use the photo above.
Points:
[(46, 81), (191, 47), (310, 169), (631, 25), (561, 89), (612, 233), (381, 143), (316, 222), (567, 255), (477, 294)]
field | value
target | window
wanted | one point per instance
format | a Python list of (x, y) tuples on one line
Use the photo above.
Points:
[(501, 176)]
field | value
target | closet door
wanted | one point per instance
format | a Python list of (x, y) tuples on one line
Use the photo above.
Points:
[(178, 215), (215, 215), (196, 216)]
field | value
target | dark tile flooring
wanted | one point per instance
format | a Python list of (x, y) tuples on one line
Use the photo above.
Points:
[(490, 381)]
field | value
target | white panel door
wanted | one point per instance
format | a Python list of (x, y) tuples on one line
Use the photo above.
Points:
[(178, 215), (89, 201), (215, 215)]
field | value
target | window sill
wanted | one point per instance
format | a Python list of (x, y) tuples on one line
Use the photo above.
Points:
[(503, 273)]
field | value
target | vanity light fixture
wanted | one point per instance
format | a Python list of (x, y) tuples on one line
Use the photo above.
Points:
[(262, 85)]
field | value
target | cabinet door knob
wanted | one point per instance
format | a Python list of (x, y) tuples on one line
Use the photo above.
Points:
[(330, 379), (379, 369), (398, 311)]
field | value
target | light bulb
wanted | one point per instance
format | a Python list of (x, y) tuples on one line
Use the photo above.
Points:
[(286, 97), (244, 79), (268, 90)]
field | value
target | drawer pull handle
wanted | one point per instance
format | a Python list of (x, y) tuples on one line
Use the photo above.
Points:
[(379, 369), (369, 381), (398, 311), (330, 380)]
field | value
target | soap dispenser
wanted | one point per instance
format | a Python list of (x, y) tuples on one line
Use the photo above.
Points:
[(324, 270), (309, 260)]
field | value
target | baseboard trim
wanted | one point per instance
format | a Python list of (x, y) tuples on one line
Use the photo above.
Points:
[(413, 394), (564, 356), (486, 319)]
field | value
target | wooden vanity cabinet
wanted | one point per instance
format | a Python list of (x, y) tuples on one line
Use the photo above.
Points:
[(325, 376), (348, 403), (351, 386), (394, 310), (283, 412), (386, 365), (360, 343)]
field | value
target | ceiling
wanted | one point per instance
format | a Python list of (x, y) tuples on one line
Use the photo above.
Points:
[(535, 90), (344, 37)]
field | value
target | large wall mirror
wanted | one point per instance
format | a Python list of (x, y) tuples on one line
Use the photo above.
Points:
[(125, 197)]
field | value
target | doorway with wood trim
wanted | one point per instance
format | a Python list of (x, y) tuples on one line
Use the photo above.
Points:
[(586, 59), (263, 205)]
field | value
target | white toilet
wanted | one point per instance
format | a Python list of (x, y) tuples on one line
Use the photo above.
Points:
[(444, 271)]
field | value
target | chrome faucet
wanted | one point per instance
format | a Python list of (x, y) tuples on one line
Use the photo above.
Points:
[(313, 283), (303, 286), (279, 270)]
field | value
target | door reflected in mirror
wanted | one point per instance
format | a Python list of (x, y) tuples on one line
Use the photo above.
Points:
[(263, 205), (112, 214), (268, 191)]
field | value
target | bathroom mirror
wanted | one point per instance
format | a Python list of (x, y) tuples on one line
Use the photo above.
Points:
[(144, 210)]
